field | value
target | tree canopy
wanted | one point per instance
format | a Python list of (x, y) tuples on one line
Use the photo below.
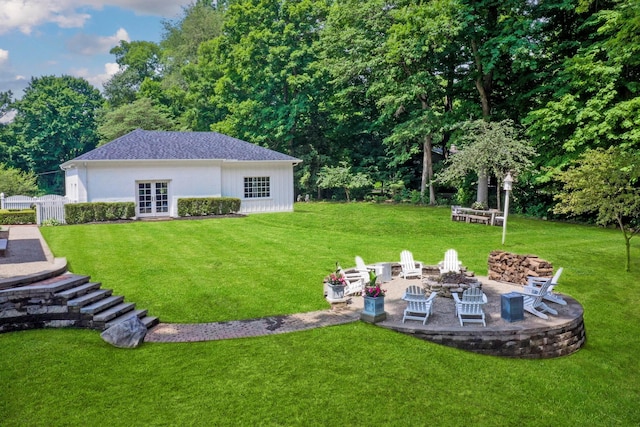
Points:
[(493, 148), (55, 122), (14, 182), (388, 87), (143, 113)]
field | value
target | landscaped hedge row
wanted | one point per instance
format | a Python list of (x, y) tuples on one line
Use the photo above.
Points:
[(24, 216), (80, 213), (198, 206)]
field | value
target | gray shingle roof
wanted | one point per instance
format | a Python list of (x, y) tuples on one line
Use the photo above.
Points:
[(160, 145)]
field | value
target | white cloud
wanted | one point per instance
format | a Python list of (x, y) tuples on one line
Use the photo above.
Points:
[(97, 80), (4, 57), (25, 15), (165, 8), (87, 44)]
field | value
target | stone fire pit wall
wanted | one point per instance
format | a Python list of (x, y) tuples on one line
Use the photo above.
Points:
[(514, 268)]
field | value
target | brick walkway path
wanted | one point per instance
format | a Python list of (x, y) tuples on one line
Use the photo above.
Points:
[(177, 332)]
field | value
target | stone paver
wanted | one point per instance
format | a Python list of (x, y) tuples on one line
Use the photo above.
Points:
[(176, 332)]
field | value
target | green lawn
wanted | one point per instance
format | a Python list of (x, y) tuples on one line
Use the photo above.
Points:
[(355, 374)]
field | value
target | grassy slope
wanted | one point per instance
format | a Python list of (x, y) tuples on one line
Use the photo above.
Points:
[(357, 374)]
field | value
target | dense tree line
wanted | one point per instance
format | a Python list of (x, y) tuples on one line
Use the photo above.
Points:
[(385, 92)]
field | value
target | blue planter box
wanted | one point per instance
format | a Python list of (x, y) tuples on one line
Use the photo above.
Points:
[(373, 310), (512, 307)]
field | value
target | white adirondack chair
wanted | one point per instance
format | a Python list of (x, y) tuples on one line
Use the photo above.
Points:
[(419, 306), (361, 267), (414, 292), (469, 308), (535, 283), (355, 282), (450, 262), (533, 303), (410, 268)]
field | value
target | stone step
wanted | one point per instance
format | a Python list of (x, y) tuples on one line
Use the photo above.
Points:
[(91, 297), (150, 321), (79, 290), (137, 313), (102, 304), (52, 285), (103, 317), (60, 283)]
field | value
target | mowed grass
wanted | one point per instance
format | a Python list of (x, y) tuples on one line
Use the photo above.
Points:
[(356, 374)]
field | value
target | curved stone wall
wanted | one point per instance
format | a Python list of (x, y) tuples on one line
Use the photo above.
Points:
[(555, 337)]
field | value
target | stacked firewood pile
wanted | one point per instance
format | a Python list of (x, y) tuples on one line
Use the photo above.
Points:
[(514, 268)]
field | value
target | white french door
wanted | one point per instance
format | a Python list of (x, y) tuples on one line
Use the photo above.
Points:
[(152, 198)]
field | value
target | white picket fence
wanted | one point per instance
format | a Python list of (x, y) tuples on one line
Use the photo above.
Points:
[(47, 207)]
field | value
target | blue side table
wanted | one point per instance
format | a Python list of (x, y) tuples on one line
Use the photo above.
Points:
[(512, 307)]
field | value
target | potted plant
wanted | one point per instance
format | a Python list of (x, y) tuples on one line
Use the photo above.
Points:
[(335, 284), (373, 301)]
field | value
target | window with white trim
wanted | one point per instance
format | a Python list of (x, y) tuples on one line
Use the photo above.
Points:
[(257, 186)]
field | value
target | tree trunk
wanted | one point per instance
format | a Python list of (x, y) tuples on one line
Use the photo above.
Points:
[(427, 163), (427, 169), (483, 82), (498, 192), (628, 261), (627, 243), (483, 188)]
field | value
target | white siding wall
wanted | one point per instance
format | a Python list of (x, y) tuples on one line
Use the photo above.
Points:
[(116, 181), (71, 185), (281, 179)]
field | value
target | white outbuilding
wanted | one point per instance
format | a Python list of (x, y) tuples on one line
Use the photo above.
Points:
[(156, 168)]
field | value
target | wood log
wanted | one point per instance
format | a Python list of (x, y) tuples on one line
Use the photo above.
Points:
[(515, 268)]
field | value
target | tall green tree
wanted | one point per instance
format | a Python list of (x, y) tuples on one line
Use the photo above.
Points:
[(257, 81), (14, 182), (7, 136), (200, 21), (55, 122), (413, 89), (341, 176), (143, 113), (488, 149), (269, 89), (394, 53), (605, 183), (591, 99), (138, 61), (352, 32)]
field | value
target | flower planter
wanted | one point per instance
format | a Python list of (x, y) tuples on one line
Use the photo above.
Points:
[(373, 310), (335, 292)]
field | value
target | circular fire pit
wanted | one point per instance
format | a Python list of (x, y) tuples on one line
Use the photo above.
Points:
[(448, 283)]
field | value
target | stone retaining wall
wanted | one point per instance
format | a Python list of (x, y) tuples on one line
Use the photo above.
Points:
[(517, 341), (25, 309)]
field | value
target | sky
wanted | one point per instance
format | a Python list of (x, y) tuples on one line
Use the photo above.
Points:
[(73, 37)]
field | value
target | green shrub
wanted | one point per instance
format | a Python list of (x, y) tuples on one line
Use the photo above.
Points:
[(80, 213), (202, 206), (12, 217), (51, 222)]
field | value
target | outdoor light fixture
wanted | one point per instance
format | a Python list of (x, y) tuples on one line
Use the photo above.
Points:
[(508, 185)]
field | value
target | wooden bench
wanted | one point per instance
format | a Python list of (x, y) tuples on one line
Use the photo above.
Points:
[(3, 246), (479, 218)]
